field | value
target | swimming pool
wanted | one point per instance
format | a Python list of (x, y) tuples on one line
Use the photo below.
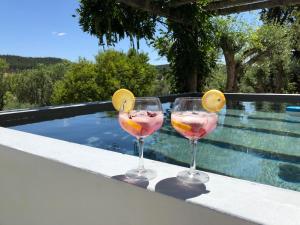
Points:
[(255, 141)]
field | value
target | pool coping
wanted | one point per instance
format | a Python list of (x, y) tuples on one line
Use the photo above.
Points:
[(249, 201), (24, 116)]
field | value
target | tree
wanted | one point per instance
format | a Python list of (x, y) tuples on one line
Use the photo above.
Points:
[(130, 70), (78, 85), (243, 48), (290, 18), (217, 79), (279, 15), (3, 68), (271, 72), (35, 86), (232, 37), (189, 49), (190, 36), (87, 81), (165, 82)]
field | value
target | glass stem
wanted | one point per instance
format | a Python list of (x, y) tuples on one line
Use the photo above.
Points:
[(193, 144), (141, 154)]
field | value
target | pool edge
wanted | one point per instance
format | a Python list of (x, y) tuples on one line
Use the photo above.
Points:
[(246, 200)]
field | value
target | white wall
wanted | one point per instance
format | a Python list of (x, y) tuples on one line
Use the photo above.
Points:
[(37, 191)]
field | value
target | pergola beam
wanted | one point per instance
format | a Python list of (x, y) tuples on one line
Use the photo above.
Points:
[(177, 3), (214, 5), (217, 4), (148, 6), (220, 7), (256, 5), (144, 5)]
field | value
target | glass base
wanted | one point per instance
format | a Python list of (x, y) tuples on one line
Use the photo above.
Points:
[(196, 177), (141, 174)]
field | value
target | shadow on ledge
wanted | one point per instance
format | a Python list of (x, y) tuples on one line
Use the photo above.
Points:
[(139, 183), (175, 188)]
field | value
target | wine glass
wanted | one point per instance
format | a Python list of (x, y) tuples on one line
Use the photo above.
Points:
[(192, 121), (141, 121)]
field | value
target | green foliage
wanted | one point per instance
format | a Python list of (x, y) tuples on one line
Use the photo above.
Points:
[(3, 66), (217, 79), (189, 48), (111, 21), (189, 42), (256, 60), (3, 84), (35, 86), (11, 102), (295, 74), (19, 63), (192, 52), (288, 17), (279, 15), (165, 82), (272, 71), (79, 85), (271, 38), (81, 82), (231, 33), (233, 37), (87, 81)]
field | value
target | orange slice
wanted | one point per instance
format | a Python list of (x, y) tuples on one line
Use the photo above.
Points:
[(182, 126), (213, 100), (123, 100), (131, 125)]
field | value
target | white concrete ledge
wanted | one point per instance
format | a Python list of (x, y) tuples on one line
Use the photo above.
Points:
[(46, 181)]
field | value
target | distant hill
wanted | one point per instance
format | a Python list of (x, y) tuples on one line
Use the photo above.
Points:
[(163, 67), (19, 63)]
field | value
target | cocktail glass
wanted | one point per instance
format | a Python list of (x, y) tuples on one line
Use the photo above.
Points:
[(192, 121), (144, 119)]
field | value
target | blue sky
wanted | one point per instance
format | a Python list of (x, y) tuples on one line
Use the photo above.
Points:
[(46, 28)]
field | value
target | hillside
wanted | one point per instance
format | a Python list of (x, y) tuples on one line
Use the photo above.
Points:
[(163, 67), (19, 63)]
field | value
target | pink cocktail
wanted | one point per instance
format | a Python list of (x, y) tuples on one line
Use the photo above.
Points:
[(194, 125), (142, 120), (193, 122), (141, 123)]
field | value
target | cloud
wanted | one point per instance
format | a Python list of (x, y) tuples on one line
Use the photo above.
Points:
[(59, 34)]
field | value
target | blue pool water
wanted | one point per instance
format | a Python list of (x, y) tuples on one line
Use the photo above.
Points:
[(256, 141)]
